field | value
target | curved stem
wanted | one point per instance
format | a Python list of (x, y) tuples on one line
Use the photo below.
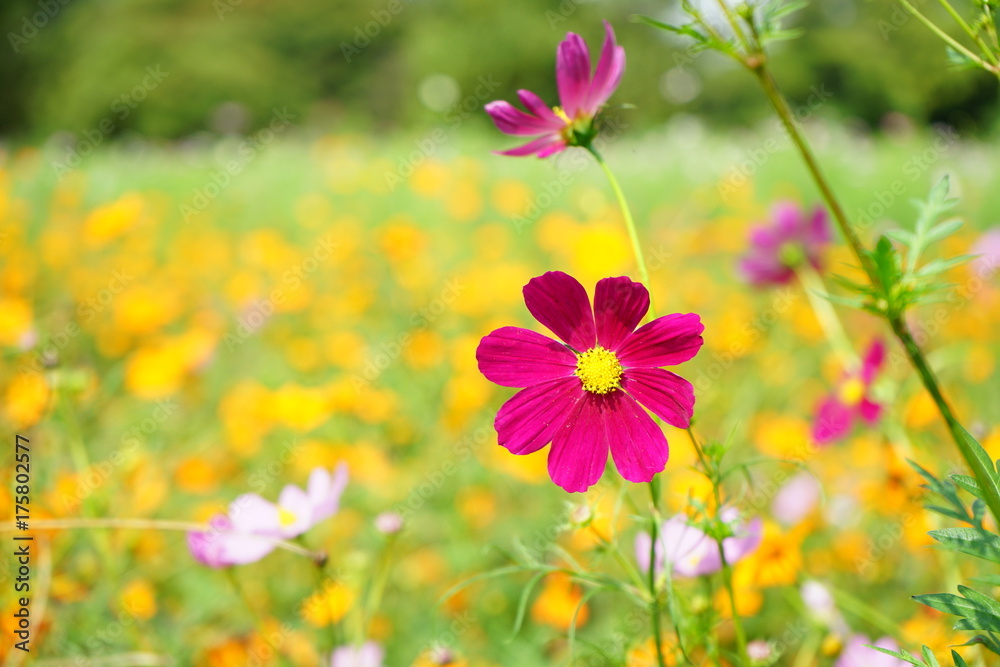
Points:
[(159, 524), (898, 325), (633, 235)]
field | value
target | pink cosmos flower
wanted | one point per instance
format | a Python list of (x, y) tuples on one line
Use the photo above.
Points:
[(368, 654), (837, 413), (793, 237), (856, 654), (226, 545), (252, 524), (580, 94), (586, 395), (297, 510), (692, 553)]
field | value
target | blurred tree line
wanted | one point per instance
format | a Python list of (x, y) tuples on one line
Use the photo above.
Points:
[(173, 68)]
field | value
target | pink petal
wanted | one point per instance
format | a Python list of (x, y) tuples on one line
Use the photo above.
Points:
[(325, 491), (544, 146), (515, 357), (665, 341), (638, 446), (537, 106), (510, 120), (560, 302), (530, 419), (833, 421), (619, 306), (609, 72), (745, 540), (553, 148), (295, 501), (874, 358), (579, 449), (667, 395), (250, 513), (796, 499), (572, 73), (870, 411)]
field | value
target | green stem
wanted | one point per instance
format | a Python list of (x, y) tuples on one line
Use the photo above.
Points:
[(958, 433), (727, 570), (969, 30), (784, 112), (865, 611), (946, 37), (896, 322), (157, 524), (654, 604), (812, 285), (633, 235)]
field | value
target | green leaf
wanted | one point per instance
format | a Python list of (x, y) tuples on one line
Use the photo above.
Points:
[(902, 655), (522, 605), (943, 230), (973, 541), (957, 659), (942, 265), (969, 484), (929, 657)]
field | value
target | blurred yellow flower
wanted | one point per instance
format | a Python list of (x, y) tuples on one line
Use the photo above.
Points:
[(15, 320), (327, 606), (27, 398), (559, 603), (138, 598), (108, 222)]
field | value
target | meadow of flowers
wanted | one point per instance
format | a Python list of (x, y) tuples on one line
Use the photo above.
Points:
[(406, 401)]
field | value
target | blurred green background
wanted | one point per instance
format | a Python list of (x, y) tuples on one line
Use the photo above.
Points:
[(226, 64)]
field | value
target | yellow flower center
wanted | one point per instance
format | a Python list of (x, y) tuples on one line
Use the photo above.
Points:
[(599, 370), (852, 391), (558, 111), (286, 518)]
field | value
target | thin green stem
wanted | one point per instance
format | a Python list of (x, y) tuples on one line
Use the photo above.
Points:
[(157, 524), (654, 604), (958, 433), (897, 324), (784, 112), (946, 37), (975, 36), (633, 235), (812, 285), (727, 571)]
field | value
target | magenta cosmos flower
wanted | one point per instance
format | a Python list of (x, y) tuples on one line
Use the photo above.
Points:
[(580, 94), (586, 394), (692, 553), (793, 237), (838, 412)]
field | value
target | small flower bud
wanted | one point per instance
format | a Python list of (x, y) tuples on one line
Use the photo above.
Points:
[(388, 523)]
